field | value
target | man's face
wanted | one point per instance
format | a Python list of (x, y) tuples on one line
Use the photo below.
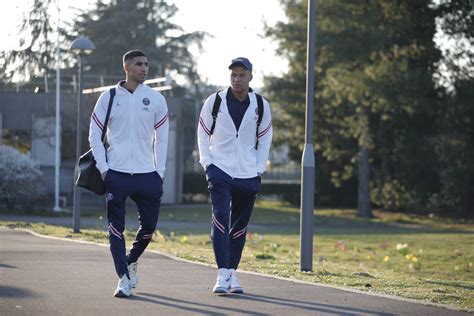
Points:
[(240, 78), (137, 69)]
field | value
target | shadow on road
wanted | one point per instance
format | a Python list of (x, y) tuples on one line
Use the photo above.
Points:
[(13, 291), (221, 309), (306, 305), (195, 307)]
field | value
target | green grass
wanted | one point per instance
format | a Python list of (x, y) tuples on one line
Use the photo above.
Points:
[(419, 257)]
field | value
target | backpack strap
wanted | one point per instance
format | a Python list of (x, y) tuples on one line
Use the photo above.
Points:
[(215, 110), (217, 104), (260, 115), (109, 108)]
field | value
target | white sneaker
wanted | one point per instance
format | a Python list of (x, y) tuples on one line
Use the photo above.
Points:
[(124, 287), (235, 286), (223, 281), (132, 272)]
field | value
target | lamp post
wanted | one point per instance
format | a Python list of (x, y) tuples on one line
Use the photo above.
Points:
[(57, 133), (308, 163), (81, 46)]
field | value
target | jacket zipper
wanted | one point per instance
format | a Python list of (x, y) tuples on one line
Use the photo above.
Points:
[(131, 132), (236, 152)]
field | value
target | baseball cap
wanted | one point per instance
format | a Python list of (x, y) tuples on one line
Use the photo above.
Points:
[(241, 61)]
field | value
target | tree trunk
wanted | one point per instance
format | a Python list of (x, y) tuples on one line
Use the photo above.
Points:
[(468, 198), (364, 208)]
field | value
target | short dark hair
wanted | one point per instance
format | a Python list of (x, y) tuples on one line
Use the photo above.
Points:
[(132, 54)]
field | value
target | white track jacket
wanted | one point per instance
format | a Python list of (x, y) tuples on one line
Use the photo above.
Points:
[(230, 150), (137, 131)]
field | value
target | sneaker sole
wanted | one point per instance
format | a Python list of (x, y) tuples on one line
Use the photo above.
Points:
[(220, 290), (121, 294), (237, 290)]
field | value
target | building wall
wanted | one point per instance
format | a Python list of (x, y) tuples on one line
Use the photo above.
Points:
[(34, 115)]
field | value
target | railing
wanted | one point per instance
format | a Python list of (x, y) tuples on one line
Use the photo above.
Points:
[(286, 174), (149, 81)]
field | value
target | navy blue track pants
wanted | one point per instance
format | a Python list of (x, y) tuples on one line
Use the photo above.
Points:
[(146, 190), (232, 203)]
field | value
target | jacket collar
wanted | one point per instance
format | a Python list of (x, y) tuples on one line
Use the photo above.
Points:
[(122, 90), (224, 93)]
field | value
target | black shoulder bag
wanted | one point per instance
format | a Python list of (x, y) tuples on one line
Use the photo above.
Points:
[(88, 176)]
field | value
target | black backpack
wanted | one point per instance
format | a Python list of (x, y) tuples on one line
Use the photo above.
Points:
[(217, 104)]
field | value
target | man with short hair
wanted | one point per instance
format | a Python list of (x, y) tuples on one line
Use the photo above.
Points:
[(133, 164), (234, 145)]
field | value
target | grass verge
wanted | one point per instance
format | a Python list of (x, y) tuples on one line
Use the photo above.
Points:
[(418, 257)]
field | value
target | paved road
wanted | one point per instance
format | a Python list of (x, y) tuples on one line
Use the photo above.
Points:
[(45, 276)]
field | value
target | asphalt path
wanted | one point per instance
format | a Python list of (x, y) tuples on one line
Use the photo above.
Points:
[(50, 276)]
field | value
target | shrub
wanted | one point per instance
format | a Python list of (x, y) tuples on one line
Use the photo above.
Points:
[(20, 178), (391, 195)]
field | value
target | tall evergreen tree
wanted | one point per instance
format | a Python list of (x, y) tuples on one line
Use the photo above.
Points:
[(120, 25), (35, 55), (373, 76), (455, 117)]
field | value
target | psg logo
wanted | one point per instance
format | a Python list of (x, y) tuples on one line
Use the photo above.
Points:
[(146, 101)]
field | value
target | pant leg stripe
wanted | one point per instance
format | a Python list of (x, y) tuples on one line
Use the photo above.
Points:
[(239, 233), (217, 224), (147, 236), (114, 231)]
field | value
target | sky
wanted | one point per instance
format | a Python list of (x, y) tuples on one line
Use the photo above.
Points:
[(236, 27)]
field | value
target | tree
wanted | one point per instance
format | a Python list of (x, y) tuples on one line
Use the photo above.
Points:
[(148, 28), (455, 117), (456, 23), (36, 55), (455, 151), (373, 73)]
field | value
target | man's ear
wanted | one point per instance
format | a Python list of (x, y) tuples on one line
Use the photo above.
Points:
[(251, 77), (125, 67)]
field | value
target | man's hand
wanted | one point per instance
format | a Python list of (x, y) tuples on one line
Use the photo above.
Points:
[(104, 175)]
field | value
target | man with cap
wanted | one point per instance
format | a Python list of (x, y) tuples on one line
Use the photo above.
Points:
[(233, 147)]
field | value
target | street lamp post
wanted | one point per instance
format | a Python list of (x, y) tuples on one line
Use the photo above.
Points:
[(81, 46), (308, 163), (57, 129)]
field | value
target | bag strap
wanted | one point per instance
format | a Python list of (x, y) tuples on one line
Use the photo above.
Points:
[(260, 115), (215, 110), (217, 104), (111, 100)]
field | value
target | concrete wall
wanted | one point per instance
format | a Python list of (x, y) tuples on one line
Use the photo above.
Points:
[(43, 140)]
